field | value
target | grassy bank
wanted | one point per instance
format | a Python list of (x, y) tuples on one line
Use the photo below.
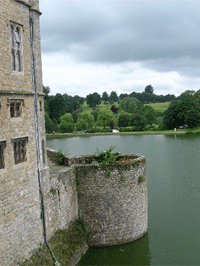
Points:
[(193, 131), (161, 132), (64, 244)]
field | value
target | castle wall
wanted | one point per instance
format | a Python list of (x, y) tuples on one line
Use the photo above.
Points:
[(61, 198), (113, 202), (21, 226)]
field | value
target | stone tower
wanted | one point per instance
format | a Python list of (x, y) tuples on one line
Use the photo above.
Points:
[(23, 164)]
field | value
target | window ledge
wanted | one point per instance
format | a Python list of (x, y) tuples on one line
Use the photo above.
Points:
[(19, 138), (16, 119), (19, 165), (17, 73)]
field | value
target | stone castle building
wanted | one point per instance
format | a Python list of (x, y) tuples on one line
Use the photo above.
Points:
[(36, 201), (23, 165)]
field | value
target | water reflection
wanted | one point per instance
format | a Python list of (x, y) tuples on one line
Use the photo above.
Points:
[(133, 253)]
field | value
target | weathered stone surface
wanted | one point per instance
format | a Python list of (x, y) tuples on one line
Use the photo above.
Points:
[(21, 228), (111, 200), (112, 203), (61, 199)]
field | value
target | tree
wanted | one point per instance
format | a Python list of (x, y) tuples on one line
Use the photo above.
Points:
[(93, 99), (149, 89), (48, 123), (46, 90), (85, 121), (76, 112), (95, 114), (111, 124), (123, 119), (78, 99), (114, 109), (130, 104), (105, 97), (104, 117), (184, 111), (192, 118), (67, 123), (113, 97), (150, 114), (138, 121), (123, 95), (170, 117)]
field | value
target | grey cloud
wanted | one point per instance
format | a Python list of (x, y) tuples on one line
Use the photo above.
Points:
[(156, 32)]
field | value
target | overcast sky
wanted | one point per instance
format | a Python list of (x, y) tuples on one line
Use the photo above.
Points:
[(105, 45)]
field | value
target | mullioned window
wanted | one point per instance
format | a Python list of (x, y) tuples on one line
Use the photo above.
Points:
[(16, 47), (20, 146), (15, 107)]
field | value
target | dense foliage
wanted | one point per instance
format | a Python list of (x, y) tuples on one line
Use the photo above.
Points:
[(186, 111), (64, 113), (93, 99)]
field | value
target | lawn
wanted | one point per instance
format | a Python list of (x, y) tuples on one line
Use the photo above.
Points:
[(161, 107)]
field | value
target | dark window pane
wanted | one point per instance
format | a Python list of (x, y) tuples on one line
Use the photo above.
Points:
[(15, 152), (20, 151), (12, 110), (17, 109)]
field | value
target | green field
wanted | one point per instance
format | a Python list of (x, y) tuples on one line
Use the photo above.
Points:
[(160, 107), (86, 107)]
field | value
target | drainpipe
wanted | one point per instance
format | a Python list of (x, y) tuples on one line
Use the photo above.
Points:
[(38, 139)]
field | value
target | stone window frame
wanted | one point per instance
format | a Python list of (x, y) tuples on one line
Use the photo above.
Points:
[(16, 46), (2, 151), (15, 107), (20, 149)]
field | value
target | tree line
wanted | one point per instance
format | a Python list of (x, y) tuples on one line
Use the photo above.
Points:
[(147, 96), (64, 113)]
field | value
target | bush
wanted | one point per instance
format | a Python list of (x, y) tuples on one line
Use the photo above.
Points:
[(67, 123), (66, 127), (106, 130), (107, 156), (151, 127), (59, 157)]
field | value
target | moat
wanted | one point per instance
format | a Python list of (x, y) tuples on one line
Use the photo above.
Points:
[(173, 192)]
